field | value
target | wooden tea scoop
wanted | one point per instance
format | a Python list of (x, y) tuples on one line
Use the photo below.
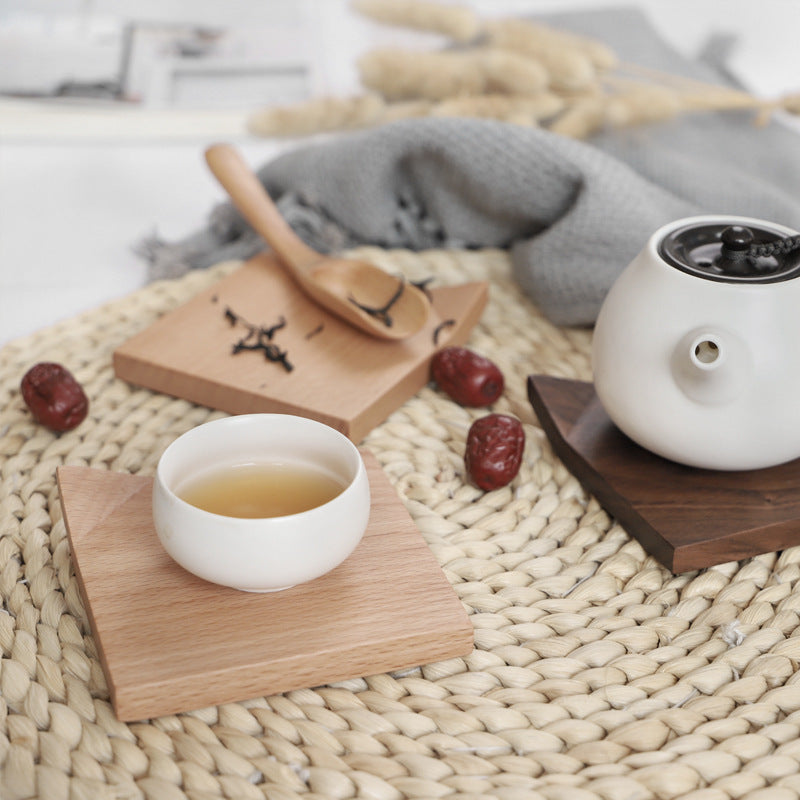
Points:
[(358, 292)]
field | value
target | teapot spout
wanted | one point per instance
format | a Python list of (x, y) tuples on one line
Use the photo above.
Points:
[(707, 352), (711, 366)]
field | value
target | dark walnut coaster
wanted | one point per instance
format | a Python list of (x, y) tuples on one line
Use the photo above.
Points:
[(687, 518), (172, 642)]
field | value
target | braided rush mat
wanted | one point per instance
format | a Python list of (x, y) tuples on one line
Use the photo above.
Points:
[(596, 673)]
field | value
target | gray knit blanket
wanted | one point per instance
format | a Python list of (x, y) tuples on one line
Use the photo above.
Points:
[(572, 214)]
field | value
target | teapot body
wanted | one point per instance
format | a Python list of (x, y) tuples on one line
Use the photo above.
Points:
[(702, 370)]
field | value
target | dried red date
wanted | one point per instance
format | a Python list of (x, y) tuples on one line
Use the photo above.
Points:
[(494, 450), (469, 378), (54, 397)]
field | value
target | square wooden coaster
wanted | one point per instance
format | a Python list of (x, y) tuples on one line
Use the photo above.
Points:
[(340, 376), (172, 642), (687, 518)]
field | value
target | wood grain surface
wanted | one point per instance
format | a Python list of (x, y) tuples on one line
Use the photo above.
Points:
[(687, 518), (172, 642), (331, 280), (341, 376)]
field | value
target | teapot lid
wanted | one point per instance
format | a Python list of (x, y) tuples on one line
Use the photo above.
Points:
[(720, 251)]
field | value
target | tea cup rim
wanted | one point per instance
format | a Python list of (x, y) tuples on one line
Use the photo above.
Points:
[(249, 419)]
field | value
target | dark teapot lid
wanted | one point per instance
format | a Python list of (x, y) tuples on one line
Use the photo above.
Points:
[(721, 251)]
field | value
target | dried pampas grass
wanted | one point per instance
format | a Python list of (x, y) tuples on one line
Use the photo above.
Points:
[(569, 68), (511, 73), (517, 71), (581, 118), (528, 37), (791, 103), (459, 23), (317, 116), (406, 74), (636, 105), (403, 75), (522, 110)]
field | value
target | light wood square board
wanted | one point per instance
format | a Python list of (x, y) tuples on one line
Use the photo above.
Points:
[(172, 642), (341, 376)]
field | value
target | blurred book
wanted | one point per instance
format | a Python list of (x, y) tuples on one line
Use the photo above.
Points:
[(158, 64)]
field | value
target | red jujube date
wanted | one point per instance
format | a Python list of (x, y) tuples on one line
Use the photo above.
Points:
[(494, 450), (469, 378), (54, 397)]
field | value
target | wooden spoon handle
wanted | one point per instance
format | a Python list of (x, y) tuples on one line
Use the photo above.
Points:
[(249, 196)]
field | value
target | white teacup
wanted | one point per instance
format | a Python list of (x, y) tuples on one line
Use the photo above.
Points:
[(266, 553)]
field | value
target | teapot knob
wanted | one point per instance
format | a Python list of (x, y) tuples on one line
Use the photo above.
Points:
[(736, 238), (733, 257)]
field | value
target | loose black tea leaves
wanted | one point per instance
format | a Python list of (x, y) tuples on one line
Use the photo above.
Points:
[(448, 323), (316, 330), (423, 286), (263, 331), (271, 352), (259, 338), (382, 312), (270, 332)]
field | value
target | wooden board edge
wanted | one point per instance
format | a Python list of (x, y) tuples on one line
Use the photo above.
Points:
[(146, 701), (735, 546), (159, 379), (634, 524), (61, 472), (420, 374)]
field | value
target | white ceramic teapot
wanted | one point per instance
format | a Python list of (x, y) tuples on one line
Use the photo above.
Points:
[(696, 350)]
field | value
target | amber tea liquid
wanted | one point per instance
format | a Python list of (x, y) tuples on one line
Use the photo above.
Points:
[(255, 491)]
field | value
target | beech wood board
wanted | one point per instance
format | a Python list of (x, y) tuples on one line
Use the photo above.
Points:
[(341, 376), (687, 518), (172, 642)]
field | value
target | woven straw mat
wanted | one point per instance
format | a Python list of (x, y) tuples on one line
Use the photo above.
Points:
[(596, 672)]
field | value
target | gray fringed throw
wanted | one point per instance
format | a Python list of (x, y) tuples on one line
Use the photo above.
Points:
[(572, 214)]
